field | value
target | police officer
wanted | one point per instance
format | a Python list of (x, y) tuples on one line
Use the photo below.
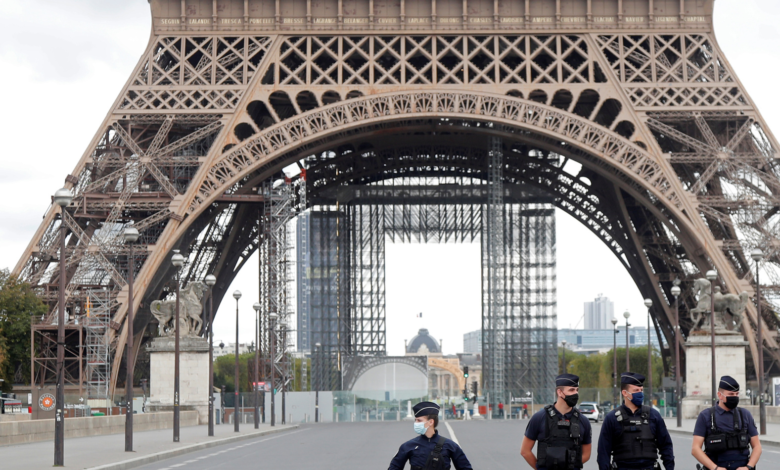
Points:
[(634, 433), (429, 451), (726, 431), (563, 433)]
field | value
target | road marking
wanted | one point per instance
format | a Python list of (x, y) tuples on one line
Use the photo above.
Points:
[(452, 433), (244, 445)]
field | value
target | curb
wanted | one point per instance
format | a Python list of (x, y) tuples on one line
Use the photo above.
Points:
[(151, 458), (764, 442)]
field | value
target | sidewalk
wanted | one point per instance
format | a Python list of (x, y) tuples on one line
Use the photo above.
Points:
[(772, 438), (108, 452)]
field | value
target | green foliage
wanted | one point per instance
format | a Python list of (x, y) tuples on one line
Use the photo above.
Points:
[(17, 304), (595, 370), (225, 372)]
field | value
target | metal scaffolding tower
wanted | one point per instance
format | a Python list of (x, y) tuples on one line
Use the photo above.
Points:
[(98, 350), (494, 321)]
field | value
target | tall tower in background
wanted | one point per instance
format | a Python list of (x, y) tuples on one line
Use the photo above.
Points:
[(599, 313)]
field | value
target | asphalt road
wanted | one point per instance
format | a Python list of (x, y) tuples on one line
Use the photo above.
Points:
[(493, 445)]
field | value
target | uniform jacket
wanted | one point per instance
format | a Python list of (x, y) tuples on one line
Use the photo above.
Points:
[(417, 450), (611, 430)]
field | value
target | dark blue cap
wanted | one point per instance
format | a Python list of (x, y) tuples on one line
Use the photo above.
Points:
[(425, 408), (632, 378), (728, 383), (567, 380)]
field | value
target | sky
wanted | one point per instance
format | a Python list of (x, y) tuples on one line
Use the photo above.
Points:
[(64, 62)]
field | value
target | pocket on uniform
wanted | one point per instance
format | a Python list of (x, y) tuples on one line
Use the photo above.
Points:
[(557, 458)]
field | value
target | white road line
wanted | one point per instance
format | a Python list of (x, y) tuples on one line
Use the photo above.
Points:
[(452, 433)]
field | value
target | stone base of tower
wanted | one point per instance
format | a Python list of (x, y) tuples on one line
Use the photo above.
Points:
[(729, 360), (193, 375)]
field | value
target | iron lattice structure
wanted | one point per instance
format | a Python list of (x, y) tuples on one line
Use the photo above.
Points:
[(658, 148)]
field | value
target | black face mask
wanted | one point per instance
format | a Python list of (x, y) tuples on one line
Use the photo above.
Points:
[(731, 402), (572, 399)]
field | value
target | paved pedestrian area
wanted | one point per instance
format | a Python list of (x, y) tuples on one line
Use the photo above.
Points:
[(97, 451), (490, 445)]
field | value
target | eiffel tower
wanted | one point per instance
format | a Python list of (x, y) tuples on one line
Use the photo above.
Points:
[(625, 113)]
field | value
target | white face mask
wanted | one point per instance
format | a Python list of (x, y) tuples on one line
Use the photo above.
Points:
[(419, 428)]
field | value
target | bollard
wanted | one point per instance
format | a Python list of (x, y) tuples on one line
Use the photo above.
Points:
[(337, 417), (368, 417)]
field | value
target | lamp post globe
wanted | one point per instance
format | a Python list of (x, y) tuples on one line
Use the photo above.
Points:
[(626, 315), (177, 260), (676, 291), (711, 275), (648, 303), (63, 197), (210, 280), (131, 234), (237, 294), (757, 254), (257, 306)]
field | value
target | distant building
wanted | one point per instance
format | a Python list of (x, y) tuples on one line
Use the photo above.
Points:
[(472, 342), (599, 314), (423, 344), (602, 339), (230, 349)]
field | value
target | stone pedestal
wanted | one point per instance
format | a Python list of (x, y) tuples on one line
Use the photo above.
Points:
[(729, 360), (193, 375)]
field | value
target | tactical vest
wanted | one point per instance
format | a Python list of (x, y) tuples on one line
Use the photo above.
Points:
[(719, 441), (637, 440), (434, 461), (562, 448)]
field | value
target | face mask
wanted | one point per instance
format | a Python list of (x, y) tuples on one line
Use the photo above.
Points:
[(419, 428), (637, 398), (572, 399), (731, 402)]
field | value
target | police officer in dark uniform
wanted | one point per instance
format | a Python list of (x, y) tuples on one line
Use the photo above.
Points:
[(429, 451), (634, 434), (563, 433), (726, 432)]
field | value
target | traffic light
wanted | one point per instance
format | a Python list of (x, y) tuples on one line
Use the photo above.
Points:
[(466, 371), (466, 393), (474, 388)]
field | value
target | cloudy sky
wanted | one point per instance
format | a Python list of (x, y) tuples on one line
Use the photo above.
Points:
[(63, 62)]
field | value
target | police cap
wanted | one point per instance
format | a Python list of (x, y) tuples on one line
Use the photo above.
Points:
[(567, 380), (632, 378), (728, 383), (425, 408)]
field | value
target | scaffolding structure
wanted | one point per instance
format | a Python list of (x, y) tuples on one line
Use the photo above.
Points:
[(97, 321), (494, 278), (515, 225), (282, 201)]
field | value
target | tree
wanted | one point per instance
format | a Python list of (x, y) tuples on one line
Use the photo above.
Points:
[(18, 303)]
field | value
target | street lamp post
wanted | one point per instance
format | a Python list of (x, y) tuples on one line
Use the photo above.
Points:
[(257, 308), (283, 334), (317, 347), (712, 275), (131, 235), (210, 281), (677, 371), (62, 198), (626, 315), (178, 261), (564, 355), (614, 362), (236, 295), (271, 330), (757, 256), (649, 388)]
